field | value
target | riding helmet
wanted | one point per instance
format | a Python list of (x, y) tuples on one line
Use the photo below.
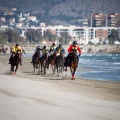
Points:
[(74, 42), (53, 44), (38, 46), (16, 45), (44, 46), (60, 45)]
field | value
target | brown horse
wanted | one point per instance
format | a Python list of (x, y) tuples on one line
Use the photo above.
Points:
[(43, 62), (4, 50), (15, 60), (51, 60), (59, 63), (73, 62), (36, 57)]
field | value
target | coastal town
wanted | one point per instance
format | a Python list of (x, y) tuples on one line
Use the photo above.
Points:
[(92, 31)]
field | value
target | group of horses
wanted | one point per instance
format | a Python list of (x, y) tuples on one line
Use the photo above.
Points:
[(42, 63), (56, 61)]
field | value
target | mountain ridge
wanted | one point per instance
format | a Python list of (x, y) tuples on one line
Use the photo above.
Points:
[(63, 12)]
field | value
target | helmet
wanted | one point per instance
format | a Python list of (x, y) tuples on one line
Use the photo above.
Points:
[(60, 45), (44, 46), (53, 44), (74, 42), (16, 45), (38, 46)]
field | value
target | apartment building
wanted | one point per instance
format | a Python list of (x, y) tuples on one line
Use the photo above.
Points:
[(104, 20), (96, 20), (111, 20), (82, 34)]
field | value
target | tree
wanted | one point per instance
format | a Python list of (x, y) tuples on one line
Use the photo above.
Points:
[(49, 36), (114, 36), (3, 37), (65, 38)]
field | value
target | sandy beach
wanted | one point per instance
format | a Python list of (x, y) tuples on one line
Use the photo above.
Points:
[(33, 96)]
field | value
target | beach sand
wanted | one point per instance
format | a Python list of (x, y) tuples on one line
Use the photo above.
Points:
[(33, 96)]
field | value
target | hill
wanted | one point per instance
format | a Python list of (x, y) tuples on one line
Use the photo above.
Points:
[(63, 12)]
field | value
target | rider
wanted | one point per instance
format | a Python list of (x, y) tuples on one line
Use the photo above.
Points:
[(52, 48), (43, 50), (37, 48), (59, 49), (14, 50), (71, 47)]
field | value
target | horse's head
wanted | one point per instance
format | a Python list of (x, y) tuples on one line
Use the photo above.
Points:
[(18, 53), (74, 53)]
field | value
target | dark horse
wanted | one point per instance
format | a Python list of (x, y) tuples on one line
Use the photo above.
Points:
[(15, 60), (59, 63), (43, 62), (36, 57), (73, 62), (51, 60), (4, 50)]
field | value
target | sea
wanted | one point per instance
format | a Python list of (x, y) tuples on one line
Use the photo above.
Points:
[(98, 66)]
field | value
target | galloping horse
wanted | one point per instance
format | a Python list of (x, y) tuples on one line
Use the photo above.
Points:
[(51, 60), (43, 62), (15, 61), (73, 62), (4, 50), (36, 57), (59, 63)]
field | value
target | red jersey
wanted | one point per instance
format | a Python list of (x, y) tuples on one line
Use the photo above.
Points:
[(74, 47)]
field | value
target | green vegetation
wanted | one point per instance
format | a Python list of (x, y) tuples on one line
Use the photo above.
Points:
[(10, 36), (113, 36)]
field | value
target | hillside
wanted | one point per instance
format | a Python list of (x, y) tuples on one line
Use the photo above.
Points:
[(62, 11)]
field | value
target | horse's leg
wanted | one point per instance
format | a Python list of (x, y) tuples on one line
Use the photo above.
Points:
[(72, 73), (58, 70), (41, 66), (44, 68), (16, 69), (34, 67), (52, 68)]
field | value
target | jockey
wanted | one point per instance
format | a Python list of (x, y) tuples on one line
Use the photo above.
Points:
[(14, 50), (59, 49), (37, 48), (52, 48), (73, 46), (43, 51)]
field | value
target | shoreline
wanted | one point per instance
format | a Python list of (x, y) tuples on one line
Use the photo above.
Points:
[(112, 49), (26, 71)]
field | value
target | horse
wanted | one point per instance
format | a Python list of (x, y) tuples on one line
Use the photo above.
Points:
[(43, 62), (15, 60), (51, 60), (59, 63), (36, 57), (73, 62), (4, 50)]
